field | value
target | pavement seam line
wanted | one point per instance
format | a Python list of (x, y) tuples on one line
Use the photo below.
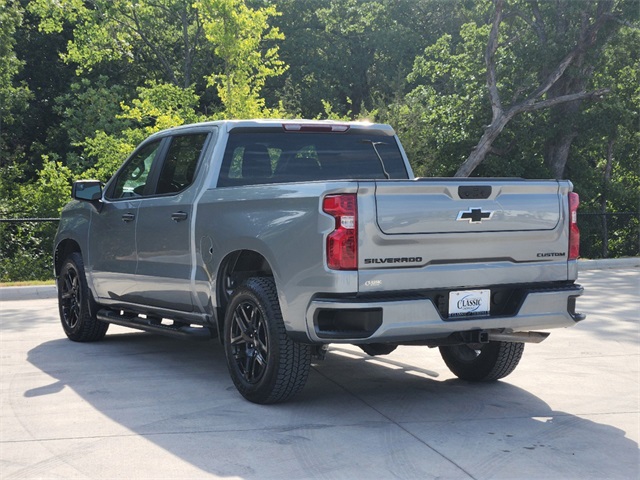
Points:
[(401, 427)]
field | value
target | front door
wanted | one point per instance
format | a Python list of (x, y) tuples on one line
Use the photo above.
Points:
[(112, 252)]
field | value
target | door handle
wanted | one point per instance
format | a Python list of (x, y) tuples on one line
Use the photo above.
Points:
[(179, 216), (128, 217)]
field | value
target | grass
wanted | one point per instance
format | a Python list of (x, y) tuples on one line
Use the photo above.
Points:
[(28, 283)]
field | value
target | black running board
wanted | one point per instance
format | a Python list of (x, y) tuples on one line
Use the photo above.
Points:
[(181, 330)]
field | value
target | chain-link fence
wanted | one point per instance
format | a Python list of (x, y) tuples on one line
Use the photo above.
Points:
[(26, 244), (609, 235), (26, 248)]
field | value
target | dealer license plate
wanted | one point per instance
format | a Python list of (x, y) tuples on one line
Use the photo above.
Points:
[(466, 303)]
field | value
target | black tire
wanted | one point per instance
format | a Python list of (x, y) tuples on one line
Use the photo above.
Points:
[(265, 365), (75, 303), (375, 349), (482, 363)]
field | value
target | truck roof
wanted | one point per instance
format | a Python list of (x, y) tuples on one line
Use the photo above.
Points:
[(286, 124)]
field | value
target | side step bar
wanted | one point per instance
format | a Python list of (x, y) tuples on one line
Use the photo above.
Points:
[(181, 330)]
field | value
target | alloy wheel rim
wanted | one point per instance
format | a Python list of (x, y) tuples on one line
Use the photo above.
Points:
[(71, 298), (249, 341)]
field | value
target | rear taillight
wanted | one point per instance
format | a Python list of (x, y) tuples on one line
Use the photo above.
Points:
[(342, 243), (574, 232)]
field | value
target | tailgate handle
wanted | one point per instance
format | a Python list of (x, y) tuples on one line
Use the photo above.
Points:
[(474, 192)]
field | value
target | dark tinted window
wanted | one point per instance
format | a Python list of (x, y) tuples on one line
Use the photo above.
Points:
[(276, 157), (179, 166), (132, 179)]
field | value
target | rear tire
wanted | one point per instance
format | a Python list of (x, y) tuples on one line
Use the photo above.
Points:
[(266, 366), (75, 303), (482, 363)]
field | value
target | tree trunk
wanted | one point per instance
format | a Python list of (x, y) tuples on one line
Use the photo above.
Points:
[(606, 181), (557, 90), (557, 152), (483, 147)]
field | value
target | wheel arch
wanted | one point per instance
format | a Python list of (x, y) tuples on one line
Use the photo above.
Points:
[(63, 249), (235, 268)]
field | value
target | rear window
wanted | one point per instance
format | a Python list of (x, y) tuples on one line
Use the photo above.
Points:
[(253, 158)]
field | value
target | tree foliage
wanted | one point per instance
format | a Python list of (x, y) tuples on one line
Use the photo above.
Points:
[(14, 95), (237, 33), (531, 56), (526, 88), (164, 34)]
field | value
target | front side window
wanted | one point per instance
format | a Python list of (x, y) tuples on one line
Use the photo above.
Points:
[(132, 179)]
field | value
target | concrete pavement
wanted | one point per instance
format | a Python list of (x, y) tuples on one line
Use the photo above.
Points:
[(142, 406)]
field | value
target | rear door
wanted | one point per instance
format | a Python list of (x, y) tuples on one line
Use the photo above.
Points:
[(164, 227)]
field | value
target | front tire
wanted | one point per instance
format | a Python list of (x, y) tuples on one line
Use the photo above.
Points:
[(75, 303), (266, 366), (482, 363)]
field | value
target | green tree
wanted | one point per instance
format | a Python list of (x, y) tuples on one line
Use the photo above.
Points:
[(162, 39), (353, 54), (440, 118), (605, 163), (157, 106), (89, 106), (13, 95), (25, 248), (560, 79), (238, 34), (535, 57)]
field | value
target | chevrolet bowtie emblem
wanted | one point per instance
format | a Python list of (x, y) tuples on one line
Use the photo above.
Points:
[(474, 215)]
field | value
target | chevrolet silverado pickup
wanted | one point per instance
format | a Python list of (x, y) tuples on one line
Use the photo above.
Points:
[(282, 237)]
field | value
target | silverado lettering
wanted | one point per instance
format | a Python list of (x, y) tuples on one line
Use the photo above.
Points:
[(369, 261), (280, 237)]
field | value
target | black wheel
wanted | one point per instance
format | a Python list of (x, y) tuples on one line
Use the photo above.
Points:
[(266, 366), (77, 307), (484, 362), (374, 349)]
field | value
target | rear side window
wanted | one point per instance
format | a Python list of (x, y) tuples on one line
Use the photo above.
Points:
[(179, 166), (253, 158)]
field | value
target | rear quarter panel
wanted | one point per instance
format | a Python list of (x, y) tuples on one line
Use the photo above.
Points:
[(282, 222)]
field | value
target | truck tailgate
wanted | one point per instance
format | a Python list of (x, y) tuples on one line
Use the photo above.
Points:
[(451, 233), (449, 207)]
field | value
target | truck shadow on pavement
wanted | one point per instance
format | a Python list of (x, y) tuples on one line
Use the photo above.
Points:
[(358, 416)]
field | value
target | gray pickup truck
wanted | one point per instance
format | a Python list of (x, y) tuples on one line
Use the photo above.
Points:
[(281, 237)]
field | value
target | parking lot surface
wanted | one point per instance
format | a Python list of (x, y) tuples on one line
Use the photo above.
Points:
[(142, 406)]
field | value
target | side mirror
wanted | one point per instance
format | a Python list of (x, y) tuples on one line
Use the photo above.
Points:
[(87, 190)]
